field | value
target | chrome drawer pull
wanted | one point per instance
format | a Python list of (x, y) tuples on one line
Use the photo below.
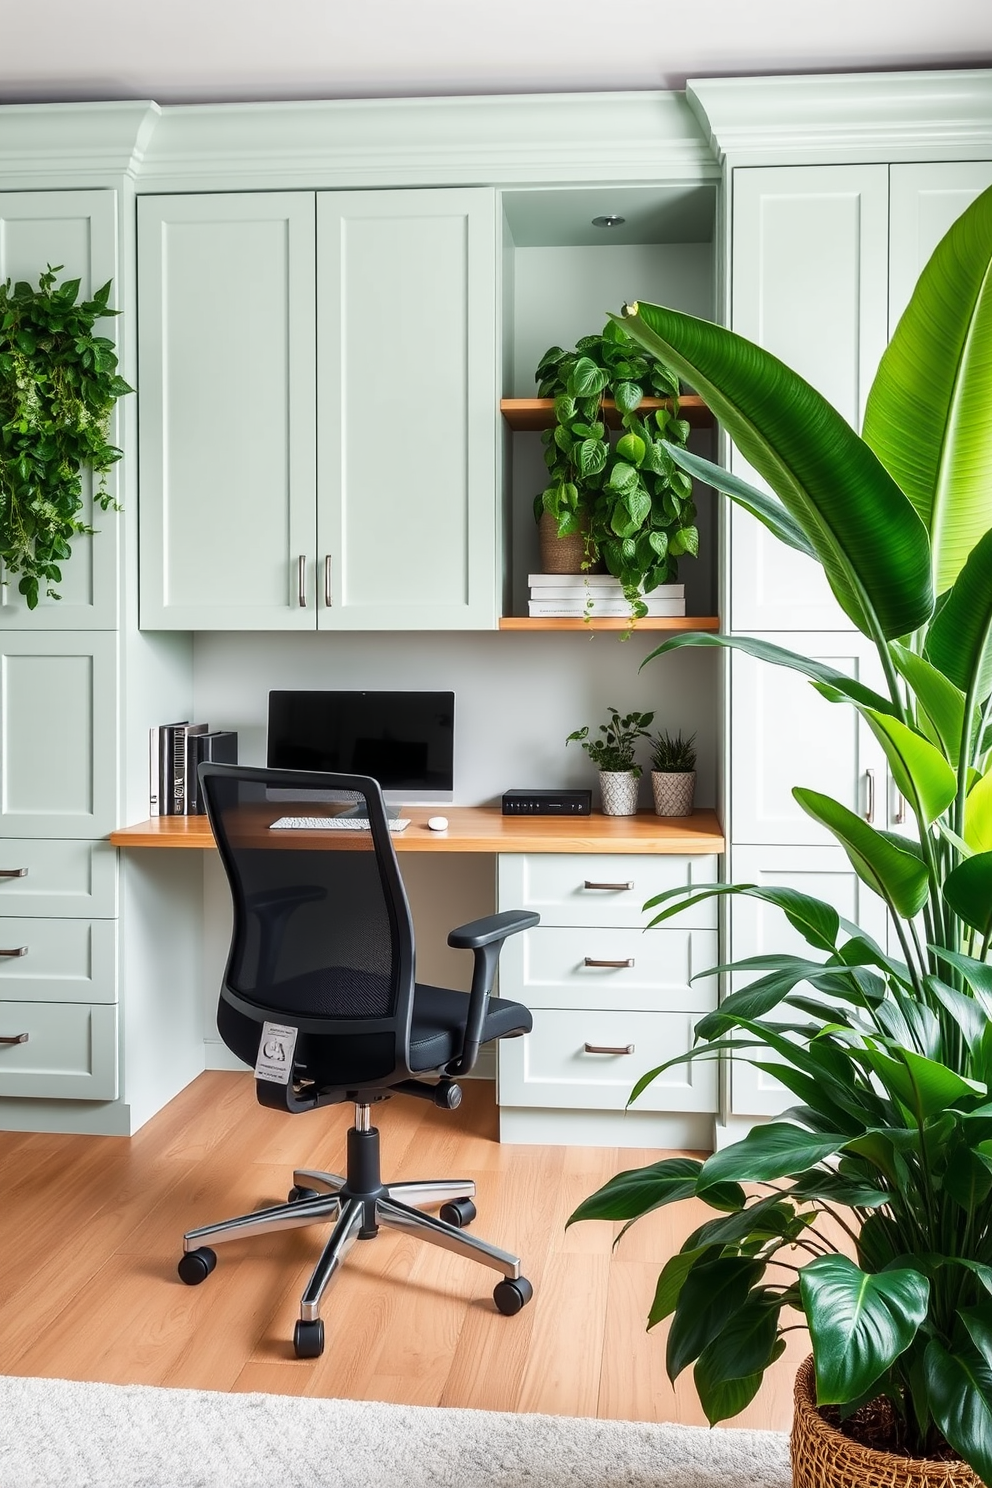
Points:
[(618, 886), (15, 951), (328, 595), (13, 1038), (608, 1049), (589, 961), (301, 579), (13, 873)]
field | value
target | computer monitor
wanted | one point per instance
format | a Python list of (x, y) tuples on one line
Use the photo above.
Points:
[(404, 740)]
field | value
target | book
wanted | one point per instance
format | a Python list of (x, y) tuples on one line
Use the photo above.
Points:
[(159, 755), (597, 595), (219, 747), (172, 787), (601, 609), (580, 583)]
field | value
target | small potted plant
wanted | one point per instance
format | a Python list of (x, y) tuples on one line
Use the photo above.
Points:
[(614, 757), (673, 773)]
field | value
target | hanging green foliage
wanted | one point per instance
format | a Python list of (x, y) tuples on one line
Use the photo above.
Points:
[(58, 387)]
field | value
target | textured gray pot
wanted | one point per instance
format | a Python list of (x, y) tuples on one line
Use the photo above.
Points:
[(618, 789), (673, 793)]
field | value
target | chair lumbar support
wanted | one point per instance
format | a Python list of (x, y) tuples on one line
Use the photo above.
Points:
[(358, 1203)]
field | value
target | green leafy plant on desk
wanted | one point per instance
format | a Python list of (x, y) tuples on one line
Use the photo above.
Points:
[(614, 753), (58, 388), (875, 1189)]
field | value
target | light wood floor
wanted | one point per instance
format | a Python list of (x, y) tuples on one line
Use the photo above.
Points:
[(91, 1230)]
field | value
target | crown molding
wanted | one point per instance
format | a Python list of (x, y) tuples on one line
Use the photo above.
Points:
[(853, 117), (74, 144), (525, 139)]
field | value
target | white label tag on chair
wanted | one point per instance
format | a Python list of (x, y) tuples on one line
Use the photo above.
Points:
[(275, 1053)]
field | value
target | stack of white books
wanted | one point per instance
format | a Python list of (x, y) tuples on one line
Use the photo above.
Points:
[(596, 595)]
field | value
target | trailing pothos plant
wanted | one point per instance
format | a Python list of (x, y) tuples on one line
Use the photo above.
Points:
[(875, 1189), (625, 494), (58, 387)]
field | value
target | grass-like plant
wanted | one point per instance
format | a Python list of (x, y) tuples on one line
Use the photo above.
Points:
[(888, 1056), (671, 754), (615, 751), (58, 388)]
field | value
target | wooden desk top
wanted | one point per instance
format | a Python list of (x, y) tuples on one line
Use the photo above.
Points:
[(484, 829)]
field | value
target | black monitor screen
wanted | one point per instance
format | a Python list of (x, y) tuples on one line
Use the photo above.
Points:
[(404, 740)]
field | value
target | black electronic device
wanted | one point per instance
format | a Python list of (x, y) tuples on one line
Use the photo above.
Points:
[(547, 803), (404, 740)]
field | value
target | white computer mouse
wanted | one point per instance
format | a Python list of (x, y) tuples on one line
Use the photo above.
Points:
[(438, 823)]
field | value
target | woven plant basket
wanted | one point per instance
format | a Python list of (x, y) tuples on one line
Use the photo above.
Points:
[(823, 1457), (562, 555), (673, 794)]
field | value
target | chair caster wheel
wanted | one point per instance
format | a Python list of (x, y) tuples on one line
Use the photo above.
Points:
[(458, 1212), (196, 1265), (308, 1339), (297, 1194), (510, 1296)]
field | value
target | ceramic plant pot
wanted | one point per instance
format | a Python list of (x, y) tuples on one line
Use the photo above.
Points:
[(673, 793), (618, 789)]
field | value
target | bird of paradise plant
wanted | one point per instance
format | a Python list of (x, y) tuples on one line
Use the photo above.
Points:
[(889, 1056)]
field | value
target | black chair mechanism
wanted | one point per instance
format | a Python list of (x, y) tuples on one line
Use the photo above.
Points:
[(319, 996)]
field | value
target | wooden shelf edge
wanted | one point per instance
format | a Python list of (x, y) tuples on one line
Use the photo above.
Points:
[(529, 414), (651, 622)]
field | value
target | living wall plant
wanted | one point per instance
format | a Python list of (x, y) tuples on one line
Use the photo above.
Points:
[(875, 1189), (58, 388), (625, 494)]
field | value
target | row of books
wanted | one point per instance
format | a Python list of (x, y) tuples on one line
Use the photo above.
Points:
[(174, 752), (577, 595)]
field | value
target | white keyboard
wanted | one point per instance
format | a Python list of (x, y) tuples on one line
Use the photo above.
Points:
[(335, 823)]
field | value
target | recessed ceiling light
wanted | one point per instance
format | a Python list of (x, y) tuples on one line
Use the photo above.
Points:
[(608, 221)]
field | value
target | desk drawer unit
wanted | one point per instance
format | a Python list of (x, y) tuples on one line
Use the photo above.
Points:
[(58, 1050), (611, 999), (42, 876), (46, 960)]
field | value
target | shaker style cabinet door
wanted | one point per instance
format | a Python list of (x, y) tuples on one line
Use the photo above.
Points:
[(926, 201), (809, 283), (226, 378), (77, 230), (408, 529)]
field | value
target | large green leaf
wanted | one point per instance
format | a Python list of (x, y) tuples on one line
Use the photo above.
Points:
[(896, 873), (968, 890), (959, 640), (859, 1323), (741, 1352), (639, 1190), (866, 534), (920, 770), (959, 1386), (927, 415), (816, 921), (767, 510), (938, 699), (768, 1152), (978, 815), (711, 1294)]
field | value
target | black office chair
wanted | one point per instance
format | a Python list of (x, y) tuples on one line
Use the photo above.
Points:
[(319, 996)]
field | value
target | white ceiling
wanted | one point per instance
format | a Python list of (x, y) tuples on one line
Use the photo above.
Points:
[(183, 51)]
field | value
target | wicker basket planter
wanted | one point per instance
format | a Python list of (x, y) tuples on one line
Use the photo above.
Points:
[(563, 555), (823, 1457), (673, 794)]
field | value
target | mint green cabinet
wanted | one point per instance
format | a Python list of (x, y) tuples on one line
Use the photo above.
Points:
[(77, 230), (318, 410)]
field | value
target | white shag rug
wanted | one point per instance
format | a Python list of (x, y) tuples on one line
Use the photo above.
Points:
[(59, 1434)]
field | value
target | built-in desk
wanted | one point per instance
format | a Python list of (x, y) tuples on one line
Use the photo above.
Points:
[(609, 1001)]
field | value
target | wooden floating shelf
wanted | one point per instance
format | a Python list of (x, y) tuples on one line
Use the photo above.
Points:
[(538, 413), (650, 622)]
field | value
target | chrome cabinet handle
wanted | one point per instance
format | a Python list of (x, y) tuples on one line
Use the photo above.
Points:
[(589, 961), (619, 886), (301, 575), (608, 1049), (328, 596), (13, 1038), (869, 795), (899, 815), (15, 951), (13, 873)]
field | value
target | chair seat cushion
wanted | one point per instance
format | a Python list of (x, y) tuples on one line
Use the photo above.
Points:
[(438, 1024)]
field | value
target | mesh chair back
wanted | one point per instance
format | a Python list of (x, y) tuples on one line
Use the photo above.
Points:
[(323, 936)]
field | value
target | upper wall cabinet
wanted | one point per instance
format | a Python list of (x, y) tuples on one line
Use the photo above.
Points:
[(318, 417), (926, 201), (77, 230), (809, 283)]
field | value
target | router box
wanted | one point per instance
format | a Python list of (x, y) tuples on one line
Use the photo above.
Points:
[(547, 803)]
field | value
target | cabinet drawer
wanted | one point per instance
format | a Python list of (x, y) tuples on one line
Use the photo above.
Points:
[(63, 960), (601, 888), (550, 1066), (39, 876), (549, 967), (70, 1052)]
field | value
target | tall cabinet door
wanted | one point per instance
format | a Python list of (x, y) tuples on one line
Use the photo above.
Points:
[(77, 230), (926, 201), (408, 532), (809, 277), (226, 377)]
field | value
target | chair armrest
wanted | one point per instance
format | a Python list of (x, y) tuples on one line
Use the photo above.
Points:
[(492, 927), (485, 939)]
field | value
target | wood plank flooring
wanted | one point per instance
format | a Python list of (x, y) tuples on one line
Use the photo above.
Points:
[(91, 1230)]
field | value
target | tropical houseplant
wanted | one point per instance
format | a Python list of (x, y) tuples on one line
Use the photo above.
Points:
[(624, 495), (613, 755), (889, 1056), (58, 387)]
